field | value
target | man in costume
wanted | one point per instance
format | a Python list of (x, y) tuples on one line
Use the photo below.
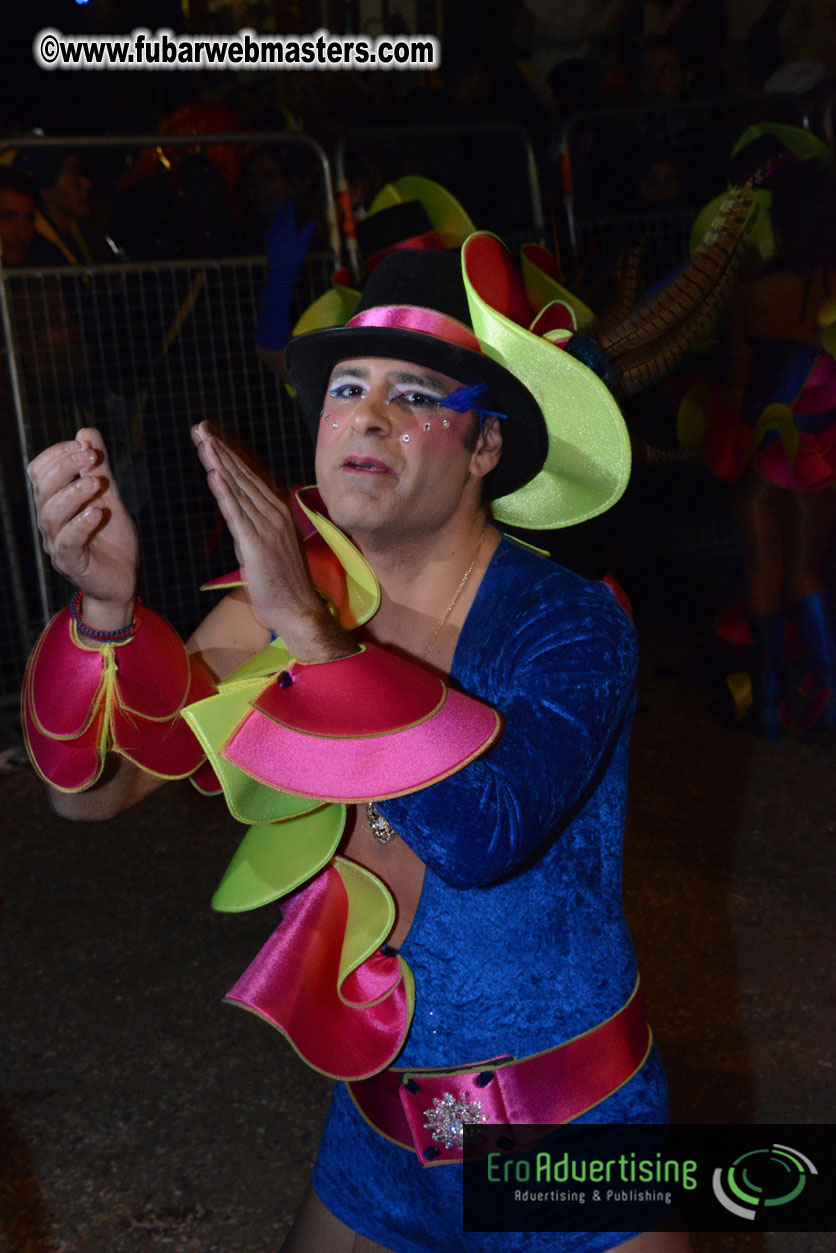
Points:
[(472, 919)]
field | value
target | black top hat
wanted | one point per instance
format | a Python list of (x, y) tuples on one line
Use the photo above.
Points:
[(414, 308), (392, 225)]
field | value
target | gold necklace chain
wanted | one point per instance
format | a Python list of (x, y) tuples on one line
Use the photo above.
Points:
[(456, 595), (381, 829)]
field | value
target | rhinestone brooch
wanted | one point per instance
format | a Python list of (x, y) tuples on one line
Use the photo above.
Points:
[(447, 1117)]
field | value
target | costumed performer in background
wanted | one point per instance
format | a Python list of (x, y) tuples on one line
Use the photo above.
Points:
[(472, 919), (780, 446)]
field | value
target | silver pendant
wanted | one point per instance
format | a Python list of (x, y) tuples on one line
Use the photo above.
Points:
[(381, 829)]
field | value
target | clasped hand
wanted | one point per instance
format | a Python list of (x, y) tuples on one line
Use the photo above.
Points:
[(87, 531), (91, 539), (279, 587)]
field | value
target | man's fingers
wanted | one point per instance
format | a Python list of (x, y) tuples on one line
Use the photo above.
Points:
[(52, 456), (69, 551), (231, 505), (63, 506), (244, 485), (59, 472), (214, 451), (91, 437), (246, 480)]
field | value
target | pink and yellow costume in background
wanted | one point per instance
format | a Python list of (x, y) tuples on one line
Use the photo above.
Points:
[(787, 427)]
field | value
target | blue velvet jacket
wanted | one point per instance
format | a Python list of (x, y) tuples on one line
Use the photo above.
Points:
[(519, 940)]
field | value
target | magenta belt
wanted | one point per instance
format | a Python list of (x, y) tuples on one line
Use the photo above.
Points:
[(425, 1110)]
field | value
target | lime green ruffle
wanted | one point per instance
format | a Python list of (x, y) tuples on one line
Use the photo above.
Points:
[(275, 858)]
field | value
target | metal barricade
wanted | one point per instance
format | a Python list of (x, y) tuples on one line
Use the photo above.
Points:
[(148, 351), (489, 167), (143, 350), (596, 212)]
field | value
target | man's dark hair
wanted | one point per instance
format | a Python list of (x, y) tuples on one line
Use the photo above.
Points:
[(19, 181), (472, 437)]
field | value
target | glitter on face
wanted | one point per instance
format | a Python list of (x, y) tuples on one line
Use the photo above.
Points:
[(426, 426), (405, 439)]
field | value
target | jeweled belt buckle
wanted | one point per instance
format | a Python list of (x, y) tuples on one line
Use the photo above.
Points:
[(438, 1107)]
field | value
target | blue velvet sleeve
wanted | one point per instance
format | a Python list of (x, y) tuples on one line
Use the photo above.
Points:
[(557, 659)]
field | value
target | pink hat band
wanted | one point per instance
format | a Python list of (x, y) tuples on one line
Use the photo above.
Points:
[(425, 321)]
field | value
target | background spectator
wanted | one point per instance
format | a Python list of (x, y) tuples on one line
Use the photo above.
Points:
[(63, 208), (17, 216)]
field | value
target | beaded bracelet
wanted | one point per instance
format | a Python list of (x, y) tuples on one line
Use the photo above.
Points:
[(106, 637)]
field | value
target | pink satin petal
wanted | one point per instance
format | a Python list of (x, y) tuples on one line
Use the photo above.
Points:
[(206, 781), (371, 693), (368, 768), (153, 673), (65, 681), (168, 749), (293, 984), (374, 978), (71, 765), (201, 683)]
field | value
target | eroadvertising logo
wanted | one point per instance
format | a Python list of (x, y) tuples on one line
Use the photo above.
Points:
[(762, 1177), (629, 1178)]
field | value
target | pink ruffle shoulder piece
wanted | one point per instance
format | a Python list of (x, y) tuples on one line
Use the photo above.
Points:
[(361, 728), (347, 1016), (127, 697)]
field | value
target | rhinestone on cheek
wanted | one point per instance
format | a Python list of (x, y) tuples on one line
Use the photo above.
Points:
[(405, 439), (445, 422), (427, 426)]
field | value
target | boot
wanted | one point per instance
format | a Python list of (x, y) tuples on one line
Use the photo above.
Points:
[(815, 618), (768, 717)]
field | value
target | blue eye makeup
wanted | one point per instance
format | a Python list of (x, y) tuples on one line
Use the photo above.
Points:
[(347, 391), (415, 399)]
